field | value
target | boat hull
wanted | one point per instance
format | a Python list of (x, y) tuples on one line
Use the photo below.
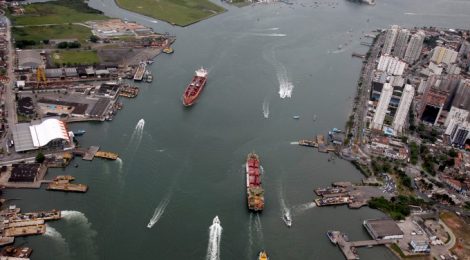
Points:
[(193, 90)]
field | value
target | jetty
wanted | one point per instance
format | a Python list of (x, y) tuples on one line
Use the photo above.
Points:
[(94, 151)]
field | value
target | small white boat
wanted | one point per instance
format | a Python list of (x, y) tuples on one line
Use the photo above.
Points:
[(287, 219), (296, 117)]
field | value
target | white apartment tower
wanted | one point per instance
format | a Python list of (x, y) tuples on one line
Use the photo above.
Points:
[(390, 38), (403, 108), (444, 55), (401, 43), (382, 107), (414, 47)]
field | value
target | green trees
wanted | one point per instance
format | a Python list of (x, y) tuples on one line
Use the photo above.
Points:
[(40, 157)]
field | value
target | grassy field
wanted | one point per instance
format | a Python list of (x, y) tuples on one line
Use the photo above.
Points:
[(179, 12), (40, 33), (57, 12), (71, 57), (461, 231)]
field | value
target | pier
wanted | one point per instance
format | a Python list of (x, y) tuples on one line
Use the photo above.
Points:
[(107, 155), (348, 248)]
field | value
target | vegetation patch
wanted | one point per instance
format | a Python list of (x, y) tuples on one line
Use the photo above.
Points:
[(73, 58), (39, 34), (461, 231), (398, 207), (57, 12), (180, 12)]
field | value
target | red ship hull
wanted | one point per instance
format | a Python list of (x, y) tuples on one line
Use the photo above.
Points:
[(193, 90)]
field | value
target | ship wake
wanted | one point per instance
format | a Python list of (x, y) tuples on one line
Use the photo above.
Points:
[(285, 211), (285, 86), (300, 209), (136, 136), (54, 235), (266, 108), (158, 213), (81, 232), (215, 236)]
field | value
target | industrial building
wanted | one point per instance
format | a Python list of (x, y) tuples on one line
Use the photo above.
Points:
[(24, 172), (50, 132), (383, 229)]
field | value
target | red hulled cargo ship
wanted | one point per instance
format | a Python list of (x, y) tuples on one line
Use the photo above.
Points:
[(254, 191), (195, 87)]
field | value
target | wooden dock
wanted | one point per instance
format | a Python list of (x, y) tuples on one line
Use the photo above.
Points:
[(90, 153), (349, 248), (6, 240)]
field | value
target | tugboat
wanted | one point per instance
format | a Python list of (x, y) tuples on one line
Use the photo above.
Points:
[(195, 87), (287, 219), (263, 255)]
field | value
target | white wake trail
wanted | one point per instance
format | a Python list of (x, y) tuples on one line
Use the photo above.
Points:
[(158, 213), (215, 236), (299, 209), (269, 34), (266, 108), (119, 162), (259, 229), (86, 235), (136, 136), (284, 208)]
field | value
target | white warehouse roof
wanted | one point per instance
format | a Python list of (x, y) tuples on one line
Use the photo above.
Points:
[(47, 131)]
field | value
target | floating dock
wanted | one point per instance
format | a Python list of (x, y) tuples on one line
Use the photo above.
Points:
[(129, 92), (38, 229), (139, 73), (39, 215), (107, 155), (62, 183)]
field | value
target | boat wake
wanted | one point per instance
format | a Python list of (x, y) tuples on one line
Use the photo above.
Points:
[(53, 234), (266, 108), (81, 232), (269, 34), (250, 235), (215, 236), (136, 136), (158, 213), (259, 229), (285, 211), (119, 162), (285, 86), (300, 209)]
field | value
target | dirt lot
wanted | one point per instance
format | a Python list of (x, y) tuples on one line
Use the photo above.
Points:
[(462, 233)]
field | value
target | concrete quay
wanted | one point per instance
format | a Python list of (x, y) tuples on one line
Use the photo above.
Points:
[(348, 248)]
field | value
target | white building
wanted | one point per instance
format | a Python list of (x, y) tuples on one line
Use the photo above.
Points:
[(456, 115), (391, 65), (420, 246), (413, 50), (403, 108), (390, 38), (401, 43), (459, 132), (435, 69), (382, 107), (444, 55)]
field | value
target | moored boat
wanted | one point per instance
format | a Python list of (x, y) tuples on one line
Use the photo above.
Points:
[(195, 87), (254, 191), (79, 132)]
